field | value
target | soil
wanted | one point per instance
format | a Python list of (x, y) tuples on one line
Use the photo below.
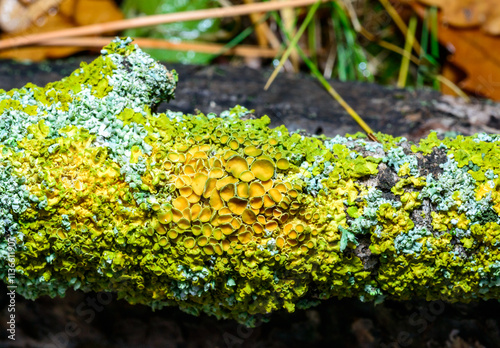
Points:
[(100, 320)]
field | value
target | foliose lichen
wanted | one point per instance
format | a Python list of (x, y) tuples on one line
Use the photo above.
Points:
[(223, 215)]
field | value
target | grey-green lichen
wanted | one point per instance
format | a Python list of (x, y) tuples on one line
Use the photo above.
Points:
[(223, 215)]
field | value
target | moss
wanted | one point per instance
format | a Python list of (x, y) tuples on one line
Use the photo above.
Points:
[(223, 215)]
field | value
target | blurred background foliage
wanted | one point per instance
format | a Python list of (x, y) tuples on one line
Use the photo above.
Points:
[(204, 30), (405, 43)]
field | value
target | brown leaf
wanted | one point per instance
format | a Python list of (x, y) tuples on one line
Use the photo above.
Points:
[(18, 18), (67, 8), (16, 15), (472, 52), (469, 13), (96, 11), (452, 73), (56, 22)]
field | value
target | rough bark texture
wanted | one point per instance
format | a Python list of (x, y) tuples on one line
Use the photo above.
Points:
[(366, 220)]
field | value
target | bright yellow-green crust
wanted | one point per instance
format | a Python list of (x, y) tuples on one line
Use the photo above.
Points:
[(223, 215)]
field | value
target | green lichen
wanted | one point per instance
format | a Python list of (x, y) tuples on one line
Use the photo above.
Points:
[(223, 215)]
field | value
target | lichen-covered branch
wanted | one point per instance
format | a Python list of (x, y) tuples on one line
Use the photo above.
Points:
[(220, 214)]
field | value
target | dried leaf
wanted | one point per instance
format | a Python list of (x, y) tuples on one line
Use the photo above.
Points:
[(19, 18), (469, 13), (471, 52), (452, 73), (33, 53), (67, 7), (96, 11), (16, 15)]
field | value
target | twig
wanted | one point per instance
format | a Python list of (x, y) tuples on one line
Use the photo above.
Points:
[(212, 48), (453, 87), (372, 37), (387, 45), (97, 29), (399, 22)]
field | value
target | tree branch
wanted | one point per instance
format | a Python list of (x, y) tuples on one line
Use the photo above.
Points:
[(223, 215)]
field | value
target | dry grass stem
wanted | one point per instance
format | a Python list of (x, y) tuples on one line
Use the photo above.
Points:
[(211, 48), (98, 29)]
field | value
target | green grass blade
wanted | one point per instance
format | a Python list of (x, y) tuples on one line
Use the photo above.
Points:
[(434, 32), (312, 42), (424, 41), (405, 62), (293, 43)]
